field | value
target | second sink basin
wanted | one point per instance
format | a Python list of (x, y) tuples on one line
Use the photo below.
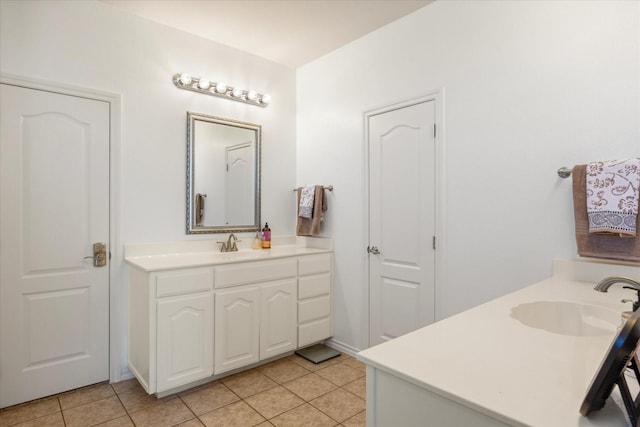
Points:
[(567, 318)]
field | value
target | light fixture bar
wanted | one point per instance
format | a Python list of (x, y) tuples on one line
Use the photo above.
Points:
[(220, 89)]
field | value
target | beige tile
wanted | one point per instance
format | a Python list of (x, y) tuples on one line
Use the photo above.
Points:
[(265, 424), (138, 399), (237, 414), (118, 422), (248, 383), (339, 374), (339, 404), (303, 416), (310, 365), (167, 413), (29, 411), (357, 387), (51, 420), (354, 363), (207, 399), (126, 386), (199, 387), (274, 402), (191, 423), (358, 420), (93, 413), (85, 395), (310, 386), (282, 371)]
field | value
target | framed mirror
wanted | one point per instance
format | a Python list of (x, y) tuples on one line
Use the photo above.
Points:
[(223, 175)]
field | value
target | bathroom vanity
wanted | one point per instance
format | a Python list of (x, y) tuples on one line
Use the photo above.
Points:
[(525, 359), (196, 313)]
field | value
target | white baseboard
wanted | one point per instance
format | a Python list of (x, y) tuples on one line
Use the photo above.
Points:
[(352, 351)]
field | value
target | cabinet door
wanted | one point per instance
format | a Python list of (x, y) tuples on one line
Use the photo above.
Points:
[(236, 328), (185, 340), (278, 314)]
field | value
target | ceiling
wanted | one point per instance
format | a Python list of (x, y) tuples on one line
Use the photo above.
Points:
[(289, 32)]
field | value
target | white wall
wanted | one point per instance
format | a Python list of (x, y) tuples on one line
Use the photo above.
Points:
[(93, 45), (528, 87)]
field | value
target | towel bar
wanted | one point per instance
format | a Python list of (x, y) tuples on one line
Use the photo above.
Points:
[(564, 172), (328, 187)]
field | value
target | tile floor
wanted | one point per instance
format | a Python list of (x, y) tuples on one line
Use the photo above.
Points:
[(288, 392)]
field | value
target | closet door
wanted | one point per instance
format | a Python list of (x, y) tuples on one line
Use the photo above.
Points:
[(402, 220)]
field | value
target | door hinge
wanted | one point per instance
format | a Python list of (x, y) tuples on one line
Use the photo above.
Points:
[(434, 130), (433, 242)]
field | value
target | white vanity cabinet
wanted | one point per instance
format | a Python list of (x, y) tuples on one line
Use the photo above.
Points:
[(171, 327), (255, 312), (195, 314), (314, 299)]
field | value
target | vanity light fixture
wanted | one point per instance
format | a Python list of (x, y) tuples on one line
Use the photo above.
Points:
[(220, 89)]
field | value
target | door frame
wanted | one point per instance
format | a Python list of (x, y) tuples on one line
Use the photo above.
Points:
[(438, 97), (116, 254)]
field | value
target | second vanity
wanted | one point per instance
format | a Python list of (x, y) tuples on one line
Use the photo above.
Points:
[(524, 359), (196, 313)]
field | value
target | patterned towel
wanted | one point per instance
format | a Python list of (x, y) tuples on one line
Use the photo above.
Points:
[(612, 196), (306, 201)]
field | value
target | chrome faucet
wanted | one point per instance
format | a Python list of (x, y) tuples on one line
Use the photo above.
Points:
[(632, 284)]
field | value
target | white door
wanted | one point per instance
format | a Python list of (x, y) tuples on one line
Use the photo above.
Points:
[(237, 328), (240, 184), (401, 220), (54, 205), (278, 317), (185, 339)]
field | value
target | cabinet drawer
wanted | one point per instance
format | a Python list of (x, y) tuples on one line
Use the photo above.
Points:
[(186, 281), (313, 332), (253, 272), (314, 308), (312, 286), (312, 264)]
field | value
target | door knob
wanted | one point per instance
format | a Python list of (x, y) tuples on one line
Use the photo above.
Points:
[(373, 250), (99, 255)]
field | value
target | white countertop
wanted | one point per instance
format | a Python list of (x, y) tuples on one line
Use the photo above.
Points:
[(167, 256), (489, 361)]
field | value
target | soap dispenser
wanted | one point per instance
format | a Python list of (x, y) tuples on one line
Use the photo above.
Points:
[(266, 236), (257, 241)]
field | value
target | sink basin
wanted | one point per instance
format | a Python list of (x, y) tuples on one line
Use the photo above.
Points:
[(567, 318)]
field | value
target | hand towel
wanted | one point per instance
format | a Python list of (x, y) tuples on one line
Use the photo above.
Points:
[(607, 246), (199, 208), (311, 226), (612, 196), (305, 206)]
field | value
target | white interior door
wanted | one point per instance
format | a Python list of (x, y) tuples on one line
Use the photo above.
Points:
[(240, 184), (401, 220), (54, 205)]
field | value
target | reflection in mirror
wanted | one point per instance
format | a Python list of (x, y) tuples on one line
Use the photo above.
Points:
[(223, 175)]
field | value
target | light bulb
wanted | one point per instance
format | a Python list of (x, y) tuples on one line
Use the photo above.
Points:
[(252, 95), (221, 87), (237, 92), (185, 79), (266, 98), (203, 84)]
